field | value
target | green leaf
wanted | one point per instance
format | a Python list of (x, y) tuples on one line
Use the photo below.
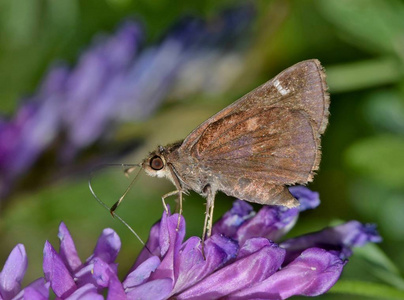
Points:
[(373, 25), (370, 289), (379, 158), (382, 267), (385, 109), (364, 74)]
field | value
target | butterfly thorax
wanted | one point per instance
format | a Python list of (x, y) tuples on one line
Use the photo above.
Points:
[(169, 162)]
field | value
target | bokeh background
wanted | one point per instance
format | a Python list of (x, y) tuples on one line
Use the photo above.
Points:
[(85, 83)]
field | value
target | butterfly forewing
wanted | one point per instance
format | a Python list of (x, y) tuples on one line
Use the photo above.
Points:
[(278, 151), (267, 139), (301, 86)]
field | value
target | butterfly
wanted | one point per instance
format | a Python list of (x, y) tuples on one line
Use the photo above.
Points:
[(254, 148)]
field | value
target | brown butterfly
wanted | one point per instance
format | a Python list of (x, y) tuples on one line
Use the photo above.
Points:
[(254, 148)]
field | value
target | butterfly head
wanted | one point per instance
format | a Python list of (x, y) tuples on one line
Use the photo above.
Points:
[(155, 164)]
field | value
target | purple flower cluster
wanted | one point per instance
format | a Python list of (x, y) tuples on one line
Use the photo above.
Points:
[(117, 79), (242, 260)]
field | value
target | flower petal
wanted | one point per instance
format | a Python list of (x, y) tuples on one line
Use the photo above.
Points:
[(97, 272), (270, 222), (142, 272), (101, 272), (56, 272), (36, 290), (108, 246), (307, 198), (67, 250), (152, 247), (86, 292), (85, 274), (313, 273), (115, 288), (169, 235), (123, 46), (233, 219), (170, 243), (54, 81), (191, 266), (259, 259), (273, 222), (13, 272), (152, 290), (339, 238)]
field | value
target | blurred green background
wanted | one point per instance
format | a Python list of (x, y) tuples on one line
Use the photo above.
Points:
[(361, 46)]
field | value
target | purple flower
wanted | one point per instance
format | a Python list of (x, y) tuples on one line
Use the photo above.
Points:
[(249, 264), (243, 260), (117, 79), (12, 274), (69, 277)]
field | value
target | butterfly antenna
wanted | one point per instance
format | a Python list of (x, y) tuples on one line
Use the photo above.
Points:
[(112, 209), (116, 204)]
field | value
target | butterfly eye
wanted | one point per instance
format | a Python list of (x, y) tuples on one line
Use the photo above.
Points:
[(156, 163)]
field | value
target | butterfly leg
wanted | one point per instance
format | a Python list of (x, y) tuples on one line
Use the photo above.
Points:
[(179, 209), (210, 222), (163, 198), (207, 225), (179, 193)]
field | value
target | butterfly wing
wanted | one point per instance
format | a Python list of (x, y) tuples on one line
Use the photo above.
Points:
[(267, 139), (274, 144), (300, 86), (255, 155)]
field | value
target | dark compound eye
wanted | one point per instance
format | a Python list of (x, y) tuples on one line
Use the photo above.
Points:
[(156, 163)]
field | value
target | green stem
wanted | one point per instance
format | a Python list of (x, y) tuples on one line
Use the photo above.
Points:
[(370, 289)]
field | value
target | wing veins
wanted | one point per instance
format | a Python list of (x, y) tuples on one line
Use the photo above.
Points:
[(250, 144), (230, 128), (233, 140), (260, 154), (271, 171), (270, 136)]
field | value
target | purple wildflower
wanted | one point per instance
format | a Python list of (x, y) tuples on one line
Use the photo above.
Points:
[(238, 265), (69, 277), (12, 274), (255, 266), (116, 80)]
